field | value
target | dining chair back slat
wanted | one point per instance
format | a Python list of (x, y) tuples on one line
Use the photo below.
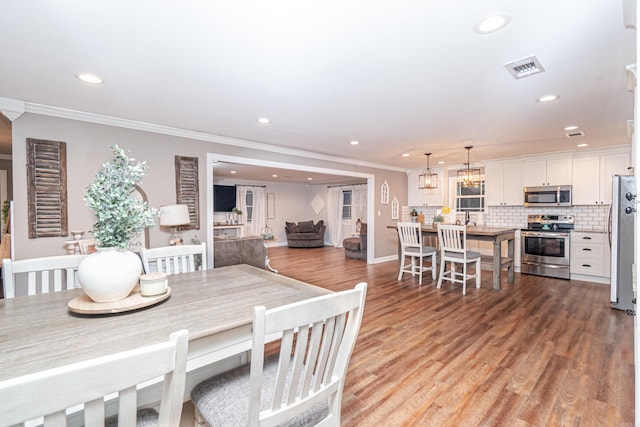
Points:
[(174, 259), (40, 275), (48, 394)]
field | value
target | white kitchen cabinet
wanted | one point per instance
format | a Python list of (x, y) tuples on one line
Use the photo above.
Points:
[(612, 164), (427, 197), (547, 172), (586, 181), (592, 177), (504, 184), (590, 256)]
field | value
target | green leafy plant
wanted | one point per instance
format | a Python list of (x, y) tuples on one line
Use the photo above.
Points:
[(120, 216), (438, 218), (197, 258), (236, 211), (5, 211)]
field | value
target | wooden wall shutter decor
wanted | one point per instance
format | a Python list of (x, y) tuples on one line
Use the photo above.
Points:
[(47, 188), (187, 192)]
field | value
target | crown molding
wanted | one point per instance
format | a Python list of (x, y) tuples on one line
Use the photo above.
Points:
[(12, 108), (64, 113)]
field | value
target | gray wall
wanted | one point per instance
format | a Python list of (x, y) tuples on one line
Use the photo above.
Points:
[(88, 146)]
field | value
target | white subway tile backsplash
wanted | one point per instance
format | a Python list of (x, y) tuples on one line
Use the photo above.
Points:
[(587, 218)]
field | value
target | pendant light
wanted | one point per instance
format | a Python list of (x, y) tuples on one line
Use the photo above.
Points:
[(428, 178), (469, 177)]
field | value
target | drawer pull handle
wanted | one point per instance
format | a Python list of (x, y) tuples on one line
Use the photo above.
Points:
[(586, 265), (586, 249), (587, 238)]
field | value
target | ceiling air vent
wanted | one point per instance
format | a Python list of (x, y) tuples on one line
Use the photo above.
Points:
[(524, 67), (577, 134)]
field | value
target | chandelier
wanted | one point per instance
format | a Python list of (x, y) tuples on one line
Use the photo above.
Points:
[(468, 177), (428, 178)]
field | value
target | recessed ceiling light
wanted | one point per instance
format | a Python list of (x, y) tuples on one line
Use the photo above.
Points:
[(89, 78), (492, 23), (441, 162), (233, 172), (354, 142), (406, 155), (573, 127), (583, 145), (547, 98), (275, 175), (264, 121), (309, 179)]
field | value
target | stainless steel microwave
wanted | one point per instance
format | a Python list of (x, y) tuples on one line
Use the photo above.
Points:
[(548, 195)]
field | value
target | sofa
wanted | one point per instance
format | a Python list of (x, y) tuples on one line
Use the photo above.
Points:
[(305, 234), (243, 250), (356, 247)]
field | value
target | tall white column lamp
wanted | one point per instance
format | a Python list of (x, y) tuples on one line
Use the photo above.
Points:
[(175, 216)]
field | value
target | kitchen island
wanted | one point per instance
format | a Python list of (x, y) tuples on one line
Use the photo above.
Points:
[(497, 235)]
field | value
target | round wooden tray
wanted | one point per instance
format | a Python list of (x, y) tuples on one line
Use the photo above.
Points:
[(82, 304)]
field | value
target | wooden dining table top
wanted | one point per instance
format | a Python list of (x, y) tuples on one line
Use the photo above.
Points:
[(39, 332)]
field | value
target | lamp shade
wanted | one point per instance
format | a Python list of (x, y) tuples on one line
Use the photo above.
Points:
[(173, 215)]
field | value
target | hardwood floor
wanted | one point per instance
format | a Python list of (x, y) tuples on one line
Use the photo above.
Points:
[(542, 352)]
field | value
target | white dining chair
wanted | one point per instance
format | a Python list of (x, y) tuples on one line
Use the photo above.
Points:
[(174, 259), (412, 246), (40, 275), (49, 393), (453, 249), (301, 384)]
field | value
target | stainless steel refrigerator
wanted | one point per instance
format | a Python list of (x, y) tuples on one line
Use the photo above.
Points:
[(621, 236)]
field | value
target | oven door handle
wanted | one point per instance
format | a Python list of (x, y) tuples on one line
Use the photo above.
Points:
[(542, 234)]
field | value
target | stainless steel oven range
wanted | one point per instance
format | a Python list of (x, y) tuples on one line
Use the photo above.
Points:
[(546, 245)]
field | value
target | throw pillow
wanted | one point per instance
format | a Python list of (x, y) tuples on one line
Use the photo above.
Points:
[(291, 227), (318, 226), (306, 226)]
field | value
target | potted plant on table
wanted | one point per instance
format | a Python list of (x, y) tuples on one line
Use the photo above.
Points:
[(414, 215), (111, 273)]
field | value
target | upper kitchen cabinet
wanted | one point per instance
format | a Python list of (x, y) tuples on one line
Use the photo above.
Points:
[(547, 172), (427, 197), (592, 177), (503, 184)]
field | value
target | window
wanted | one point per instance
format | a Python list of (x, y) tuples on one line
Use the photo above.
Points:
[(248, 200), (470, 198), (346, 204)]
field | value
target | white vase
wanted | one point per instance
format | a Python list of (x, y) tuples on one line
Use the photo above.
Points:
[(109, 274)]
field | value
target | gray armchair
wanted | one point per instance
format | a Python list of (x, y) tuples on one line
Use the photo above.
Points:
[(356, 247)]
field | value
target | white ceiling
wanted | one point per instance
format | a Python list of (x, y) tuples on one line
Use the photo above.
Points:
[(400, 77)]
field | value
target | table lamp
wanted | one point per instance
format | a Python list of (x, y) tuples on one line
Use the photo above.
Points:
[(175, 216)]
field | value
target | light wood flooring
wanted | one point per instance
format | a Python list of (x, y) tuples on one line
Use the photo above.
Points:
[(542, 352)]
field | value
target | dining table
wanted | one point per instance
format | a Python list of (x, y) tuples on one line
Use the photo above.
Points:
[(496, 235), (216, 306)]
